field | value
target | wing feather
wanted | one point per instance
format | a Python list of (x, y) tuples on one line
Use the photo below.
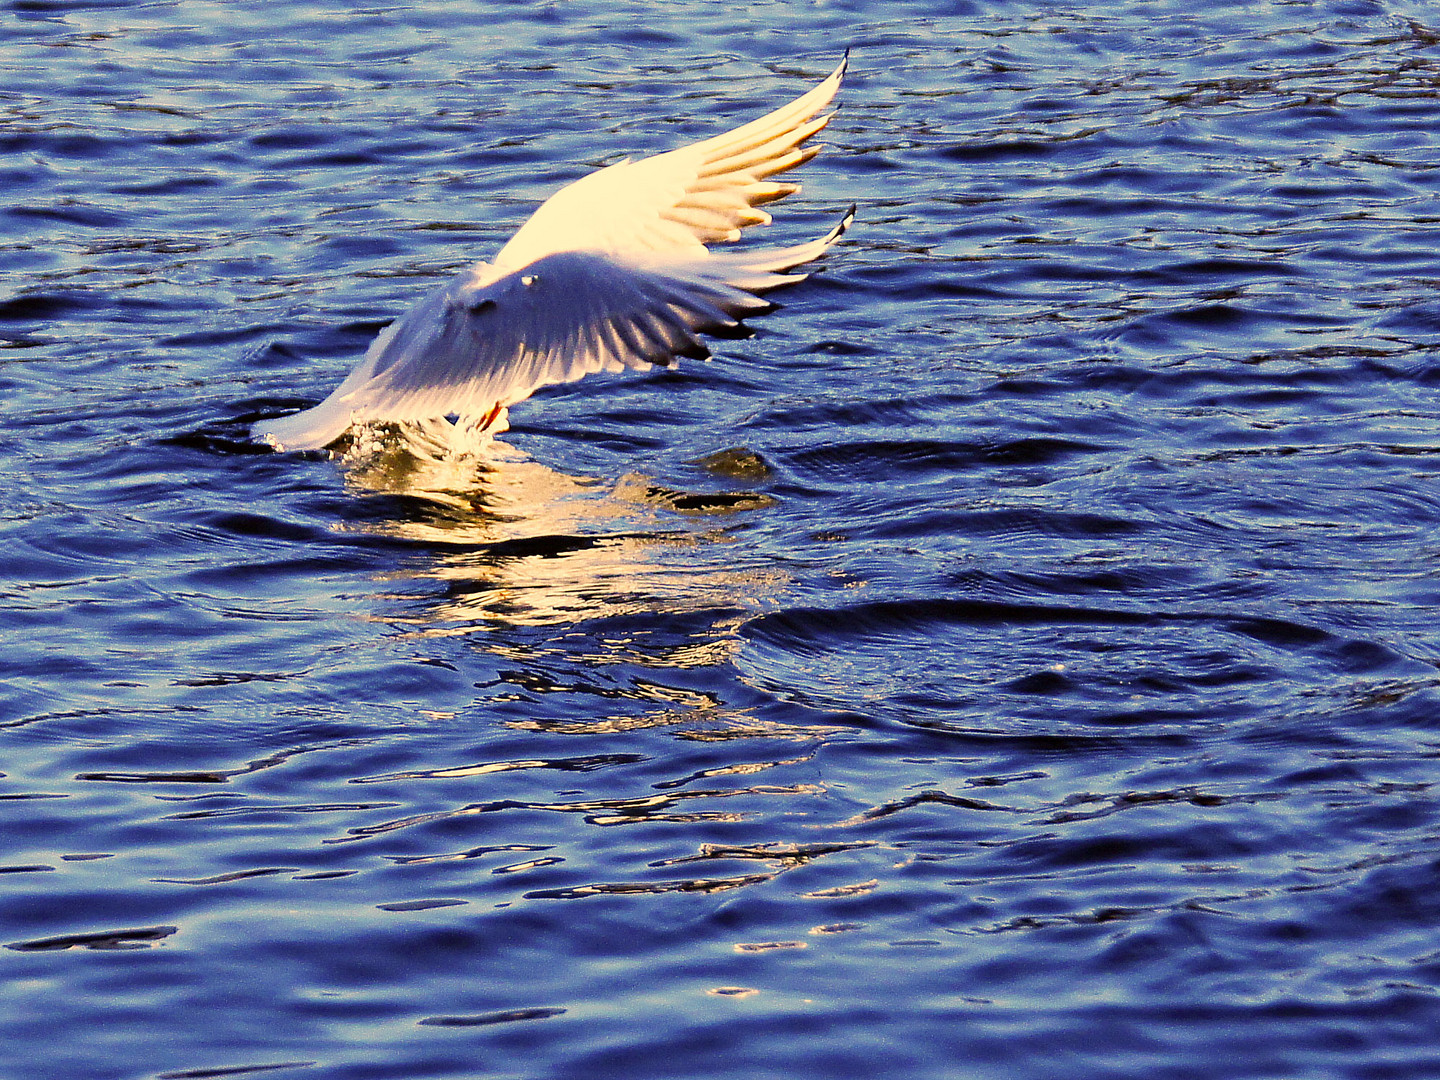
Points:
[(649, 205)]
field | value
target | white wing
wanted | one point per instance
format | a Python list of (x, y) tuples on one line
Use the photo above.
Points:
[(611, 272), (682, 200)]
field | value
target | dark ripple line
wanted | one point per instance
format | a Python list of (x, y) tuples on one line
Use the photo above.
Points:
[(105, 939), (225, 879), (808, 629), (302, 808), (196, 776), (232, 1070), (814, 627), (509, 1016)]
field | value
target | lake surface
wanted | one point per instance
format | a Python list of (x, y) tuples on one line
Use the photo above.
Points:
[(1017, 659)]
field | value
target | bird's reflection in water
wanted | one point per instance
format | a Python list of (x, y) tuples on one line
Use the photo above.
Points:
[(517, 543), (584, 589)]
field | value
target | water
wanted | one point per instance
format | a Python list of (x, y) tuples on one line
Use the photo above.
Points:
[(1016, 660)]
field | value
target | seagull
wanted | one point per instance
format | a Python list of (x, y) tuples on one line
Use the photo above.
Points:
[(613, 271)]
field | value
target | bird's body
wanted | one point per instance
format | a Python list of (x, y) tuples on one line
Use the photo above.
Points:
[(613, 271)]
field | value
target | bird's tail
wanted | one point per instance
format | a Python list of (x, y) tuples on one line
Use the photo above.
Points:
[(309, 430)]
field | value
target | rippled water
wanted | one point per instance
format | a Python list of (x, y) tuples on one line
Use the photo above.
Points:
[(1016, 660)]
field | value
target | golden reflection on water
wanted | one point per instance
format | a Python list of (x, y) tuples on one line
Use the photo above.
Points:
[(517, 543), (623, 573)]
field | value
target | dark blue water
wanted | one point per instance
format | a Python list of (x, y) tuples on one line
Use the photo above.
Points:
[(1016, 660)]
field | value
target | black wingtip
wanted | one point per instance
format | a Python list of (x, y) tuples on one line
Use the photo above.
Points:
[(844, 223)]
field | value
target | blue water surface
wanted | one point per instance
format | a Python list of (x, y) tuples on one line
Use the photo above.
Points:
[(1016, 659)]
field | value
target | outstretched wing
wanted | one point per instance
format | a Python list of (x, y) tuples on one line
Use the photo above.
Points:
[(483, 342), (611, 272), (682, 200)]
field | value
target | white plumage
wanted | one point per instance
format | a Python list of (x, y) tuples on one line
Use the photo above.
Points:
[(611, 272)]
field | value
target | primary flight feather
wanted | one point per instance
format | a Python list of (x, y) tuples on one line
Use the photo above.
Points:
[(613, 271)]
